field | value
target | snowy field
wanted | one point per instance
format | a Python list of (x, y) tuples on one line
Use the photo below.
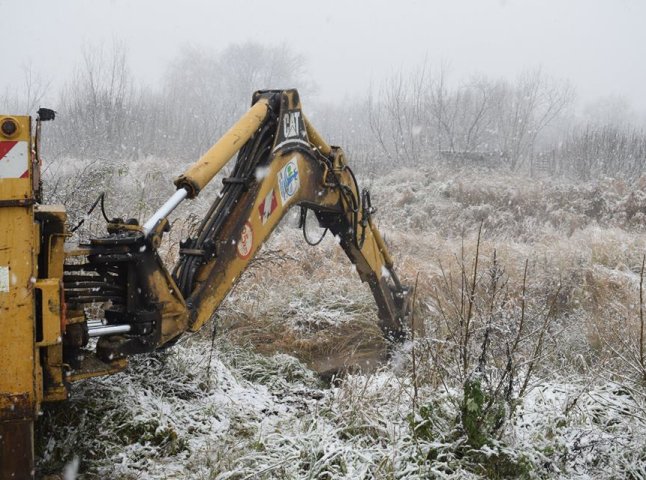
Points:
[(171, 417), (510, 187), (531, 364)]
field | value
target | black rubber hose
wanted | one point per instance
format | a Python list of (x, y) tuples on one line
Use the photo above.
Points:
[(249, 157), (307, 240)]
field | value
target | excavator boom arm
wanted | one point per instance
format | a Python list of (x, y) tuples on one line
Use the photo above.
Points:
[(47, 288), (284, 164)]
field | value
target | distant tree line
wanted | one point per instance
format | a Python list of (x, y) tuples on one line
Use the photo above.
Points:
[(594, 151), (422, 113), (409, 119), (104, 113), (524, 125)]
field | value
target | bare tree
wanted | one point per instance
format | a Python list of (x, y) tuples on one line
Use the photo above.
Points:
[(96, 106), (463, 114), (205, 91), (526, 109), (26, 99), (399, 117)]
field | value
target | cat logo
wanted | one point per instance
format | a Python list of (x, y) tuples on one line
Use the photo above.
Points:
[(292, 130), (291, 124)]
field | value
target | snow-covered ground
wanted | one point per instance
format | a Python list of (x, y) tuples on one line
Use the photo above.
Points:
[(559, 270), (232, 414)]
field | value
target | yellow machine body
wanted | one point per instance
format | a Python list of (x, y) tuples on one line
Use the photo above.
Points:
[(30, 302)]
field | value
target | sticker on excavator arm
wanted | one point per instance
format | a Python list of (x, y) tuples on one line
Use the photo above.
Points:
[(245, 244), (4, 279), (288, 180), (14, 159), (267, 207)]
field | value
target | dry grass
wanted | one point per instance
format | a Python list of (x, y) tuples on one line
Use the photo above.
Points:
[(581, 260), (575, 313)]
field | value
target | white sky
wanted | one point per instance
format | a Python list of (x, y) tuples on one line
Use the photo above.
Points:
[(599, 45)]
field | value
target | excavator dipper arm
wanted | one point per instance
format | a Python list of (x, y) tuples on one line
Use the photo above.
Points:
[(284, 164)]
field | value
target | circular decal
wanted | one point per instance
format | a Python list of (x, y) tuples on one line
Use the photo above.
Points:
[(246, 241), (288, 180)]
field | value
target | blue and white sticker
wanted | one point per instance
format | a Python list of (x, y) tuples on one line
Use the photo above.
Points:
[(288, 180)]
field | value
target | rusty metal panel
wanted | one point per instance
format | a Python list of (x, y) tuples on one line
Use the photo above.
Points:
[(16, 445), (17, 254), (50, 311), (52, 221)]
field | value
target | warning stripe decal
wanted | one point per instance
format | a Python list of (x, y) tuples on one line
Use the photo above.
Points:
[(14, 159), (5, 147)]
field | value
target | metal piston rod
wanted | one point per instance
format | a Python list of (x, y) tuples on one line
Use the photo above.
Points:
[(101, 330), (198, 175), (165, 210)]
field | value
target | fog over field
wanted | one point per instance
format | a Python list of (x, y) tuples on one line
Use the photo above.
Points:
[(597, 45), (504, 146)]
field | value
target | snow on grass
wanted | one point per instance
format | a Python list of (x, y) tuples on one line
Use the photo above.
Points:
[(171, 416), (586, 431)]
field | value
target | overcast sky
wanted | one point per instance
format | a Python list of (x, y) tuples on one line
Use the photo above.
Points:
[(599, 45)]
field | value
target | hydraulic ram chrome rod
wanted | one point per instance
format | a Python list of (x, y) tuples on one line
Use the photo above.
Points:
[(165, 209), (108, 330), (198, 175)]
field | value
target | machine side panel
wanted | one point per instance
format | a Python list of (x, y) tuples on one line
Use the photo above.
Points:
[(18, 251)]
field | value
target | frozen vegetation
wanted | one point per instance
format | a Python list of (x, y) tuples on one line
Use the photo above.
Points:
[(530, 364), (520, 225)]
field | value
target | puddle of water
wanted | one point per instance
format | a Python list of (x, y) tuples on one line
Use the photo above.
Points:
[(351, 347)]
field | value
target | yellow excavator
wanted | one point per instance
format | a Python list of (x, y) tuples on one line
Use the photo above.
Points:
[(47, 286)]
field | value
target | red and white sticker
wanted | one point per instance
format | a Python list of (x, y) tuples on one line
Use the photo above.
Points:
[(245, 244), (14, 159), (266, 208)]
